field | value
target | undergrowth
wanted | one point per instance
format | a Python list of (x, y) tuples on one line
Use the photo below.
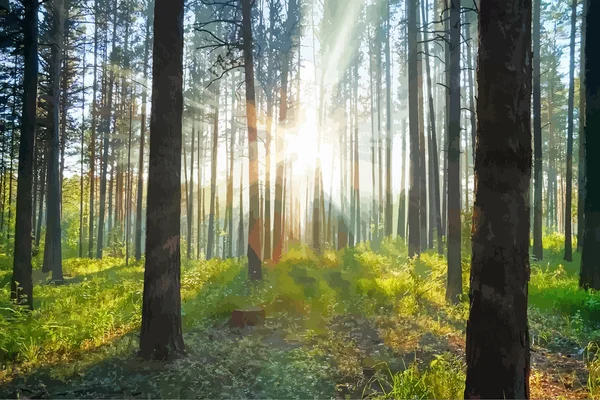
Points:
[(306, 297)]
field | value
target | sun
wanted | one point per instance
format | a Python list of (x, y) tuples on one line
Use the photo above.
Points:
[(302, 145)]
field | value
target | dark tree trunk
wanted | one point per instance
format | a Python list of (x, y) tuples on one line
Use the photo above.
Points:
[(434, 174), (581, 161), (569, 173), (93, 134), (538, 250), (106, 118), (497, 345), (52, 247), (590, 257), (161, 333), (454, 288), (21, 283), (254, 222), (414, 234)]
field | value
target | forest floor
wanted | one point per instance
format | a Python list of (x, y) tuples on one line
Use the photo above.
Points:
[(349, 324)]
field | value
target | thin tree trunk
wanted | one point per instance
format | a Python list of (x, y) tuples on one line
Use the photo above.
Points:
[(213, 175), (569, 173), (581, 162), (538, 250)]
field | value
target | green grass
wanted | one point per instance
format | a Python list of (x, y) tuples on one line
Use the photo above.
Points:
[(329, 317)]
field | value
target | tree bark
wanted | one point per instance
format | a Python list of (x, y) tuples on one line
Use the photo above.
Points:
[(414, 234), (569, 173), (590, 257), (581, 161), (254, 222), (454, 288), (538, 250), (21, 283), (52, 247), (497, 345), (161, 332)]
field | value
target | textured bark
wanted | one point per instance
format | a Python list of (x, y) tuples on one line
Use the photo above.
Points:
[(581, 161), (454, 288), (161, 332), (538, 250), (414, 234), (590, 257), (21, 283), (497, 345), (52, 247), (571, 106), (254, 222)]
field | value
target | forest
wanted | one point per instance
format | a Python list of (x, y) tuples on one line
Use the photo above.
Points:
[(293, 199)]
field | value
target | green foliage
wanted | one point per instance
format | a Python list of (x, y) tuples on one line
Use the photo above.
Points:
[(444, 378)]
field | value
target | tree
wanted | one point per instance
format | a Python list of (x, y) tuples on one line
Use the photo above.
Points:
[(21, 284), (538, 250), (581, 163), (590, 257), (497, 345), (254, 222), (414, 234), (140, 177), (161, 332), (569, 174), (53, 246), (454, 288)]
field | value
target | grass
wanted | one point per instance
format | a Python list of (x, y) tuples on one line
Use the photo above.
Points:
[(351, 323)]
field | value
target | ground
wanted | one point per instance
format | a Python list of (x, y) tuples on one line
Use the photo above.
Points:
[(349, 324)]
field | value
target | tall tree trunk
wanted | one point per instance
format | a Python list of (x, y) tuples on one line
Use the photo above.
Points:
[(52, 247), (388, 128), (497, 342), (93, 133), (422, 171), (161, 333), (454, 288), (140, 174), (581, 161), (81, 176), (434, 174), (213, 175), (569, 173), (40, 211), (21, 282), (414, 234), (538, 250), (590, 257), (106, 118), (254, 222)]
